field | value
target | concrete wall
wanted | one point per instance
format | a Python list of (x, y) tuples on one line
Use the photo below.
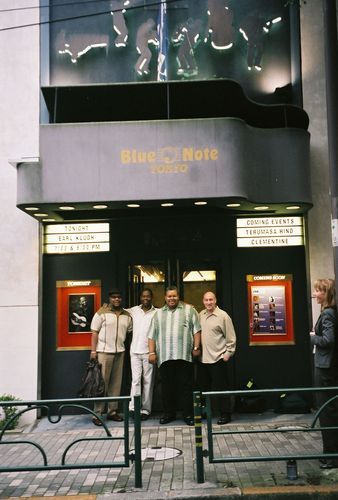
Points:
[(313, 69), (19, 233)]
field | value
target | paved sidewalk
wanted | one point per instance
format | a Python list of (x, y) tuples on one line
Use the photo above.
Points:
[(168, 465)]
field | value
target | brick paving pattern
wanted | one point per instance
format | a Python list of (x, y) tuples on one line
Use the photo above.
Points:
[(174, 474)]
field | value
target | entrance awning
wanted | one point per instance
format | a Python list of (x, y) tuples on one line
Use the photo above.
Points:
[(222, 160)]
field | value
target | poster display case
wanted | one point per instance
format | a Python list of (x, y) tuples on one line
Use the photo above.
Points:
[(77, 301), (270, 309)]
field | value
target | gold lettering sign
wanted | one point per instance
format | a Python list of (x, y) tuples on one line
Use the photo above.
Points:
[(169, 159)]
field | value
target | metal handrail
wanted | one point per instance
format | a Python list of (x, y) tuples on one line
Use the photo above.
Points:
[(59, 405), (200, 453)]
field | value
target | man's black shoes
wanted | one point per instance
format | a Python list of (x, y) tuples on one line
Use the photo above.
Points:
[(115, 417), (189, 420), (224, 419), (329, 465), (144, 416), (166, 419)]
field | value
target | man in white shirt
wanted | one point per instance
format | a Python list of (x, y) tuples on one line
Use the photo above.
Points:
[(142, 371)]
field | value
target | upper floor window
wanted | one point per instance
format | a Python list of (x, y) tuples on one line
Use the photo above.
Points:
[(118, 41)]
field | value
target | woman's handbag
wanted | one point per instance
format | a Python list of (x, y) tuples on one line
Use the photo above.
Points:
[(93, 385)]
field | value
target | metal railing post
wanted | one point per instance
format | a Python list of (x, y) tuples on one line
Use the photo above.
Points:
[(198, 437), (126, 432), (137, 441), (209, 427), (267, 458), (55, 409)]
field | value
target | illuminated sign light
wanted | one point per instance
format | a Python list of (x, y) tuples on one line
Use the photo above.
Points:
[(270, 221), (334, 232), (74, 57), (264, 278), (76, 238), (225, 47), (76, 228), (78, 283), (270, 242), (83, 248), (75, 284), (269, 277), (270, 232)]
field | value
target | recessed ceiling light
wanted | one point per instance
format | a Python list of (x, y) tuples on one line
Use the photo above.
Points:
[(65, 207), (167, 204), (100, 207), (48, 220), (133, 205), (233, 205), (200, 203), (261, 208), (41, 215), (293, 207), (32, 209)]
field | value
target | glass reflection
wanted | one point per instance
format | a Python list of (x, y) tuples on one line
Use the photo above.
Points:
[(140, 40), (196, 283), (148, 276)]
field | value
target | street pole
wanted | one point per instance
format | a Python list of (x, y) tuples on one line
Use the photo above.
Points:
[(198, 438), (331, 78)]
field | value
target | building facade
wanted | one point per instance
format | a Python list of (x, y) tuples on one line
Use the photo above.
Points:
[(133, 155)]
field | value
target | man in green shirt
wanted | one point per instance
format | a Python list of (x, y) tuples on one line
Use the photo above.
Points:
[(174, 340)]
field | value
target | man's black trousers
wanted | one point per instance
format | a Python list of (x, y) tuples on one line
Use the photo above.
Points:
[(214, 377), (177, 386)]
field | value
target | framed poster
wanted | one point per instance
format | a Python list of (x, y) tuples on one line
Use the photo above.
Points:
[(270, 309), (77, 302)]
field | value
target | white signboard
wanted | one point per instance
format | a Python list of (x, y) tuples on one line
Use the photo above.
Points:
[(335, 232), (76, 238), (77, 228), (270, 232)]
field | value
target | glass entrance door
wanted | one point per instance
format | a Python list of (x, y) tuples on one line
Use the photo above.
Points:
[(192, 279), (195, 282), (151, 275)]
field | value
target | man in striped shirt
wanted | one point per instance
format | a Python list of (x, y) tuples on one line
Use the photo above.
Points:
[(174, 340)]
